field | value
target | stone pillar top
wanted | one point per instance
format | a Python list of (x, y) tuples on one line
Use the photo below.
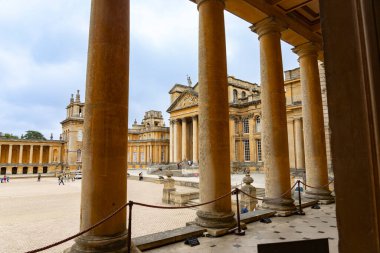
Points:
[(199, 2), (268, 25), (309, 48)]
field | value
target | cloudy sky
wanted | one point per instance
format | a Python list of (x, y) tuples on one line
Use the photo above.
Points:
[(43, 54)]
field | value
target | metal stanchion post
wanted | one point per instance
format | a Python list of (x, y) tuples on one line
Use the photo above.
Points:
[(300, 212), (239, 231), (130, 226)]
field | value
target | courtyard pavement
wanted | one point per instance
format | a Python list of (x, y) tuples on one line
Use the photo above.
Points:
[(34, 214)]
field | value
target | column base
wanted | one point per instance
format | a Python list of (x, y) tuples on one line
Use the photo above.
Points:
[(320, 194), (282, 205), (102, 244), (215, 219)]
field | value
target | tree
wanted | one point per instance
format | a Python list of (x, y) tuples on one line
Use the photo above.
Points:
[(33, 135), (9, 136)]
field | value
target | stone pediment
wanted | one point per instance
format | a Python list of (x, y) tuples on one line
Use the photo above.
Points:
[(187, 99)]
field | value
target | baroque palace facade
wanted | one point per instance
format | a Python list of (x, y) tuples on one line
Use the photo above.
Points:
[(148, 144), (244, 122)]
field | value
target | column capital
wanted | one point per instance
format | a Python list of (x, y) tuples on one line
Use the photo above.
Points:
[(199, 2), (195, 117), (268, 25), (309, 48)]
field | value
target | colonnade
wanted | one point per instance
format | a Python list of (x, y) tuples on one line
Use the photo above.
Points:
[(14, 154), (149, 153), (104, 160), (184, 139)]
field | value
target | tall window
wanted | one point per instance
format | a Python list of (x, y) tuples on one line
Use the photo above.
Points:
[(243, 94), (235, 96), (258, 148), (236, 127), (142, 157), (258, 124), (134, 157), (247, 153), (246, 126)]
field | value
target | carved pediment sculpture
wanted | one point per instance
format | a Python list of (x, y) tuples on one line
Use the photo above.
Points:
[(187, 100)]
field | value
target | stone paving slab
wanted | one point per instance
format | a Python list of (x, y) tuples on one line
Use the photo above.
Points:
[(171, 236)]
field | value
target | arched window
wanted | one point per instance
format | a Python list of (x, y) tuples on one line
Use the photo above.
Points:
[(235, 94), (246, 126), (243, 94), (258, 124)]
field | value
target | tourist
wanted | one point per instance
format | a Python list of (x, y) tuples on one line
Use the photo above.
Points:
[(8, 179), (60, 180), (39, 177), (5, 179), (244, 209), (140, 176)]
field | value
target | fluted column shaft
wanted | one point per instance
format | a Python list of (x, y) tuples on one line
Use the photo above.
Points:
[(184, 139), (274, 125), (195, 139), (104, 184), (214, 149), (300, 155), (314, 131)]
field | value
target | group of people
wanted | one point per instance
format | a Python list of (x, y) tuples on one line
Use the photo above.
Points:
[(65, 177), (5, 179)]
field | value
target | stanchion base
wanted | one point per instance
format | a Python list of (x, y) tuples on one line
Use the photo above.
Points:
[(300, 213), (241, 233)]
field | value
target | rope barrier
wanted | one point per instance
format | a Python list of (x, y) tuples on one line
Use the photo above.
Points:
[(183, 207), (131, 203), (80, 233), (262, 199), (321, 188)]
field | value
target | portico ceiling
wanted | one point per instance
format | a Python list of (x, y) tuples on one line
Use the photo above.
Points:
[(301, 16)]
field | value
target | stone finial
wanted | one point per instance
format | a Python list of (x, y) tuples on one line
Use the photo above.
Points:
[(135, 122), (72, 99), (248, 179), (169, 173), (77, 97), (51, 136)]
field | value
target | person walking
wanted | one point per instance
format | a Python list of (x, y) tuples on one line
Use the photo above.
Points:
[(60, 180), (39, 177)]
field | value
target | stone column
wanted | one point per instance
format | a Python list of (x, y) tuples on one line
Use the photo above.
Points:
[(159, 154), (312, 113), (177, 141), (41, 154), (184, 140), (31, 154), (300, 156), (171, 140), (195, 139), (232, 138), (214, 149), (0, 153), (50, 154), (274, 127), (104, 184), (20, 154), (10, 153)]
